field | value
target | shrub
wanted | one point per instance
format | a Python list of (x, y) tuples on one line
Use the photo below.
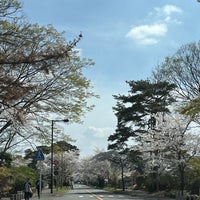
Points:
[(19, 176), (195, 186), (5, 180)]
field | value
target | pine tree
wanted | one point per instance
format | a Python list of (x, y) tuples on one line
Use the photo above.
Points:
[(135, 111)]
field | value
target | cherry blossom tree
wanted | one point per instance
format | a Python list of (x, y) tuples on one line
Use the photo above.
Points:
[(169, 146), (66, 166), (95, 171)]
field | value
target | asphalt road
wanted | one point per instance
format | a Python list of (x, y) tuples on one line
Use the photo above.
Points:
[(83, 192)]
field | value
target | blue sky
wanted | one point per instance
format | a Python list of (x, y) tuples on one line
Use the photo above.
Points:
[(126, 39)]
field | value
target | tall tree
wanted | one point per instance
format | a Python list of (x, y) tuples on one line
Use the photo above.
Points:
[(175, 142), (135, 111), (95, 171), (59, 147), (117, 160), (183, 70), (40, 74)]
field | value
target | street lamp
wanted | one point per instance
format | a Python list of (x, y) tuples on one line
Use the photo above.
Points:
[(52, 124)]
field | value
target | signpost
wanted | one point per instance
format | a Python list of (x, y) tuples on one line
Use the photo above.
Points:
[(39, 156), (56, 167)]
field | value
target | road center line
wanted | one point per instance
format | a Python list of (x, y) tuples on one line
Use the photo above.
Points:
[(99, 198)]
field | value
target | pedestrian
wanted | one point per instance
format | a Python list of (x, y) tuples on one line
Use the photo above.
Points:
[(27, 190), (38, 188), (72, 184)]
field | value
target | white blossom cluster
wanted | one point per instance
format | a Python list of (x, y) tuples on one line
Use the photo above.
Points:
[(171, 143)]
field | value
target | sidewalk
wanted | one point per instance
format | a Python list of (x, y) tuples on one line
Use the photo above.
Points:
[(47, 195)]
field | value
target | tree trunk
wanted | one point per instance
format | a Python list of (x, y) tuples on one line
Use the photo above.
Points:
[(122, 176), (182, 179)]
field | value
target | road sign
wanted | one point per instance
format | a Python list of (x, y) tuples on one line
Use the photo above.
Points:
[(39, 155), (56, 162), (56, 167)]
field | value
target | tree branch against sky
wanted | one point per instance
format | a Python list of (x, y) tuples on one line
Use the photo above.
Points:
[(41, 74), (135, 111), (183, 70)]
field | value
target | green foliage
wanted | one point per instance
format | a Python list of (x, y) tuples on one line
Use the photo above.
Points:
[(164, 182), (194, 186), (193, 175), (19, 176), (41, 75), (114, 179), (65, 146), (60, 146), (192, 108), (5, 159), (140, 180), (167, 182), (5, 180), (193, 169), (135, 157), (12, 179), (150, 184)]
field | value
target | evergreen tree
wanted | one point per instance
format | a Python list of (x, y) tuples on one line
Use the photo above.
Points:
[(135, 111), (136, 114)]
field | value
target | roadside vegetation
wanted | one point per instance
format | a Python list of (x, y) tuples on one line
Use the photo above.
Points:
[(156, 143)]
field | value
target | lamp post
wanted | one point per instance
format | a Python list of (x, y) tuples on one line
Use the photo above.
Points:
[(52, 124)]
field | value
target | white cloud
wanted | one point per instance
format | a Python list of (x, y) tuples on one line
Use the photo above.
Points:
[(169, 9), (147, 34), (101, 132), (93, 138)]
